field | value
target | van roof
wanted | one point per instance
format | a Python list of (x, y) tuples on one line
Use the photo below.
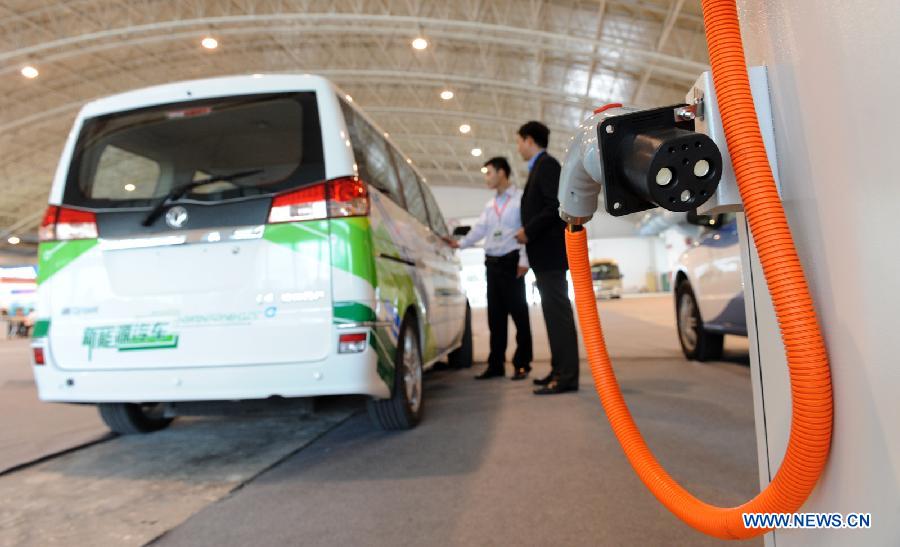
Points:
[(225, 86)]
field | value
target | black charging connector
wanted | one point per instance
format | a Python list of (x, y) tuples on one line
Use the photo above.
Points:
[(654, 158)]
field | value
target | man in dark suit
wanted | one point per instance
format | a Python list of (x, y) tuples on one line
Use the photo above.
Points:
[(543, 234)]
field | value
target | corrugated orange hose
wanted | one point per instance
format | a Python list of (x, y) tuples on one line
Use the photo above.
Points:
[(811, 418)]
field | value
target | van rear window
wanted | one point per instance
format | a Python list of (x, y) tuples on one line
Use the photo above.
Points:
[(133, 158)]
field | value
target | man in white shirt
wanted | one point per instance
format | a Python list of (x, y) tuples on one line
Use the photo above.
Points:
[(506, 265)]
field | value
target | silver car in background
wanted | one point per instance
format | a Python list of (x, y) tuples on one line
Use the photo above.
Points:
[(709, 293)]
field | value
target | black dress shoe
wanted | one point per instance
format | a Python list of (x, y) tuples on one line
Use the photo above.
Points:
[(521, 374), (490, 373), (543, 381), (555, 387)]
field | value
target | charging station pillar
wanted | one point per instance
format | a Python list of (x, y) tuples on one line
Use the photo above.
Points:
[(830, 87)]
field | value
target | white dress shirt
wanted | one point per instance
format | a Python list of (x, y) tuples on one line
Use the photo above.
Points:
[(497, 226)]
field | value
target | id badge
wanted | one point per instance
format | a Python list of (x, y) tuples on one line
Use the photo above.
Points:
[(498, 234)]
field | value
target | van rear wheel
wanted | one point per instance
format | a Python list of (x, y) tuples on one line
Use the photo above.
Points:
[(461, 357), (404, 409), (132, 418)]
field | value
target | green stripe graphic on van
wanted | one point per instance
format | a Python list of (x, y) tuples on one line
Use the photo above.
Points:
[(53, 256), (385, 364), (352, 312), (41, 328), (351, 247), (297, 235)]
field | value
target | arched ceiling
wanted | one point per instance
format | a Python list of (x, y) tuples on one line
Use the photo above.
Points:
[(507, 61)]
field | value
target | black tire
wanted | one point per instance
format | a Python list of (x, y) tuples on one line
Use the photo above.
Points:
[(402, 411), (697, 343), (131, 418), (461, 357)]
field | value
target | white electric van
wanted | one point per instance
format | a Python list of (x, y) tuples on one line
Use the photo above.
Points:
[(240, 238)]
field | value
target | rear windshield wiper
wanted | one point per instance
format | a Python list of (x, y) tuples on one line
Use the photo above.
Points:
[(179, 191)]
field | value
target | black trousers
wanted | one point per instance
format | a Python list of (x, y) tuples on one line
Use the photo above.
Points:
[(560, 323), (506, 297)]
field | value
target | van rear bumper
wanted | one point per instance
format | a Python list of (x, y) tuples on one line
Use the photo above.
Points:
[(338, 375)]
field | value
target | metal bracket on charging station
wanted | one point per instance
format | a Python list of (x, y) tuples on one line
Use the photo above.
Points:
[(708, 121)]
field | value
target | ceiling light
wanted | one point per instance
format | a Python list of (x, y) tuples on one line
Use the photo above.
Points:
[(408, 160), (476, 152), (129, 188), (465, 128), (420, 43), (386, 134), (209, 43), (13, 240), (484, 170), (446, 94), (349, 98), (30, 72)]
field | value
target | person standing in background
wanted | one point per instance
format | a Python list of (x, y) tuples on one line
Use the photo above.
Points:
[(506, 264), (543, 234)]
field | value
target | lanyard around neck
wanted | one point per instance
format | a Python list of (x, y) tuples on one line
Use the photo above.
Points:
[(499, 210)]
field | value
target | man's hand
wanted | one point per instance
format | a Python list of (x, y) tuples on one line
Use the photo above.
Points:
[(522, 270), (451, 242), (521, 237)]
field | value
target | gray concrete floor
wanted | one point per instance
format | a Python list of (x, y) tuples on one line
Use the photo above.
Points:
[(490, 465), (494, 465), (129, 490), (30, 429)]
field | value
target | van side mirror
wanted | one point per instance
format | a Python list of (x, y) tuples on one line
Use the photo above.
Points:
[(461, 231)]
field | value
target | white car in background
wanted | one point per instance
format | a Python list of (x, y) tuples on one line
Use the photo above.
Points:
[(709, 293)]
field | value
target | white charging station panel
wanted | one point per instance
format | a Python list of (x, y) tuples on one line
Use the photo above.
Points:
[(709, 121)]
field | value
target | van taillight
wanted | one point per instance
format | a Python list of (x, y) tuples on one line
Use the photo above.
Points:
[(305, 204), (344, 197), (347, 197), (352, 343), (63, 224), (38, 354)]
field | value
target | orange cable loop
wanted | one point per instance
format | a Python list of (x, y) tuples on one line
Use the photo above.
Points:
[(811, 396)]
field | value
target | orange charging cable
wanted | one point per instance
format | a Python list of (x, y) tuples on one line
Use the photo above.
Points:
[(811, 407)]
